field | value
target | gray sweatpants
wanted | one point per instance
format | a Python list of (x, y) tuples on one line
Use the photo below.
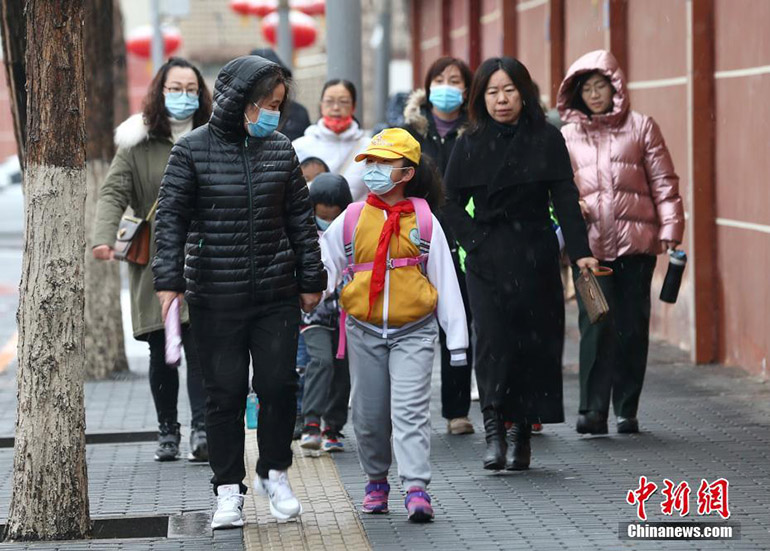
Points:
[(391, 394)]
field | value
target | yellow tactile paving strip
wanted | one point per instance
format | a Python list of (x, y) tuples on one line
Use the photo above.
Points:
[(329, 520)]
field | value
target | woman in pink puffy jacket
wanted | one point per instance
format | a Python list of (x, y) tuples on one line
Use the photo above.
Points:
[(630, 198)]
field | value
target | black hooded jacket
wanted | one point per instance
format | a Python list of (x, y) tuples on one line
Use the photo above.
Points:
[(234, 225), (295, 118)]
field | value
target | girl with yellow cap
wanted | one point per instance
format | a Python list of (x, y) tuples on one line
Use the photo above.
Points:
[(400, 283)]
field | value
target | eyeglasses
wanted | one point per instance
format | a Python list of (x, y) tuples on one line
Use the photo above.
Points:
[(339, 102), (189, 93)]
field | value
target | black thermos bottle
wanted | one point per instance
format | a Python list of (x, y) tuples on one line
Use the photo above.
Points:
[(677, 260)]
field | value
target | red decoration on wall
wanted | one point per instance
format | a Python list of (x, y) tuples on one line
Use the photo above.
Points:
[(303, 28), (309, 7), (139, 41), (241, 7), (261, 8)]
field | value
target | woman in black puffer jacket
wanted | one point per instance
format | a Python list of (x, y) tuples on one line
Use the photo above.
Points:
[(236, 233)]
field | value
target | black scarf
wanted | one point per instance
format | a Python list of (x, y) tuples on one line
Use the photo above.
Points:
[(500, 156)]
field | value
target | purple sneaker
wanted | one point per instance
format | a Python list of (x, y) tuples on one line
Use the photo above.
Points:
[(418, 505), (376, 500)]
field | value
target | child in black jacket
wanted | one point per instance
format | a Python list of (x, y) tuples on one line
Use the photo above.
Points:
[(327, 378)]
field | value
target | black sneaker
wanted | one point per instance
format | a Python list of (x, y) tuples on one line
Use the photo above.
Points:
[(168, 442), (628, 425), (299, 423), (199, 448)]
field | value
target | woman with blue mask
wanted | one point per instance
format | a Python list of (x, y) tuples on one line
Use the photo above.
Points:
[(177, 102), (436, 116), (236, 237)]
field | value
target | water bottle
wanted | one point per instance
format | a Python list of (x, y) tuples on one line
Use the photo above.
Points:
[(252, 410), (677, 260)]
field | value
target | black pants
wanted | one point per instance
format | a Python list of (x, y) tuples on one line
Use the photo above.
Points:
[(327, 380), (613, 352), (456, 380), (225, 340), (164, 380)]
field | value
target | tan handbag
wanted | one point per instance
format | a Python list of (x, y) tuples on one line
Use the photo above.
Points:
[(591, 294), (132, 243)]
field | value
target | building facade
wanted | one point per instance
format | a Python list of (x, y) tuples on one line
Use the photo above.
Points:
[(701, 68)]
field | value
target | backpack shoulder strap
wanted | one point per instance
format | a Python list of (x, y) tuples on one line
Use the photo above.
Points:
[(352, 214), (424, 222)]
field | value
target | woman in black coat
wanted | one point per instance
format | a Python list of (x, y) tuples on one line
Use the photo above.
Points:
[(236, 233), (510, 163)]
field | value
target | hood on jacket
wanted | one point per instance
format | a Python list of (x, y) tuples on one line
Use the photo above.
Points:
[(413, 112), (331, 189), (605, 63), (131, 132), (234, 84), (270, 55), (416, 113)]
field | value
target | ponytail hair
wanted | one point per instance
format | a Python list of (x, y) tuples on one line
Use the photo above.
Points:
[(426, 182)]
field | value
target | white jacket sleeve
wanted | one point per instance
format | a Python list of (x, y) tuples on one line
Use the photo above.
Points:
[(333, 254), (450, 311)]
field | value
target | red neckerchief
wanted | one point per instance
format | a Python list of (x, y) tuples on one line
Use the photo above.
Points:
[(381, 256)]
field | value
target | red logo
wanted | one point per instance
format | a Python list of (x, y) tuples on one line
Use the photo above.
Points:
[(677, 498), (641, 495), (712, 497)]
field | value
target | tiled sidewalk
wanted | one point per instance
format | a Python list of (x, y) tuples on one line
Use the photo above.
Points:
[(697, 422), (328, 520)]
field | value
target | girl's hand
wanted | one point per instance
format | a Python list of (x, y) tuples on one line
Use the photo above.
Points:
[(166, 298), (103, 252), (668, 245), (587, 263), (308, 301)]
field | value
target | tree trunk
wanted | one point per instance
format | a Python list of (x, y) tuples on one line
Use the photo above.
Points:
[(14, 33), (49, 500), (120, 73), (105, 350)]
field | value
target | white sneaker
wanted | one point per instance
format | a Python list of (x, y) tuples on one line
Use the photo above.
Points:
[(283, 504), (229, 512)]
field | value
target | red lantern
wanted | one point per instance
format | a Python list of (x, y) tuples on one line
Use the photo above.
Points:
[(303, 28), (261, 8), (309, 7), (241, 7), (139, 41)]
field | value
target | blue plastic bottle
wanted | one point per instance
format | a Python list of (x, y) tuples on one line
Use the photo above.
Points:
[(252, 411)]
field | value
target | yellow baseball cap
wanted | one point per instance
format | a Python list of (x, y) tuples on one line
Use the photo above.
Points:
[(392, 143)]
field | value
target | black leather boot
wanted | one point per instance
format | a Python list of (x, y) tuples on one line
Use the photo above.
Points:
[(592, 422), (519, 447), (494, 458)]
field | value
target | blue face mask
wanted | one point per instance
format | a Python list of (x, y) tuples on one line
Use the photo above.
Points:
[(181, 106), (322, 224), (377, 178), (445, 98), (267, 122)]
